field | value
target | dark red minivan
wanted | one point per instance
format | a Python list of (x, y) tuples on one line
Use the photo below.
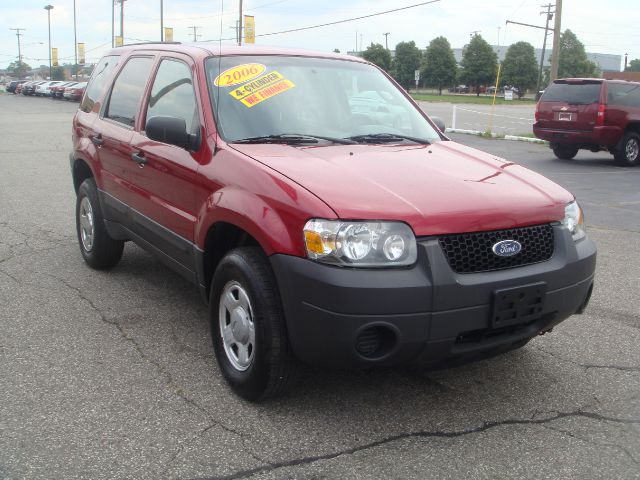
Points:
[(323, 216), (592, 114)]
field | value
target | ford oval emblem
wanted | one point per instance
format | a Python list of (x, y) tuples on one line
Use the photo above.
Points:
[(507, 248)]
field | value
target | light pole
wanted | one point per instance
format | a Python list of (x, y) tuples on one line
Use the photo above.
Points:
[(386, 40), (75, 38), (161, 22), (48, 8)]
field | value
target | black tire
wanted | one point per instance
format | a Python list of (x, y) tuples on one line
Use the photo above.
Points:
[(564, 152), (272, 368), (102, 252), (628, 153)]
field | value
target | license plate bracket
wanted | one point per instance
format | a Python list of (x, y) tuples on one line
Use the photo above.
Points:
[(513, 306)]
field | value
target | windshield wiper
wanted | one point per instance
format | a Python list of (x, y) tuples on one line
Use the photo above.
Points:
[(293, 139), (386, 138)]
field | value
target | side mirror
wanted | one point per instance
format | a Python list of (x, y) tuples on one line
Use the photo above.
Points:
[(170, 130), (439, 123)]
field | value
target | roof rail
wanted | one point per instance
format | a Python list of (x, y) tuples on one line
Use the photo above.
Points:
[(149, 43)]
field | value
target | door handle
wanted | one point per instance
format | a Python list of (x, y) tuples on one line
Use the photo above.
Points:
[(139, 158), (97, 140)]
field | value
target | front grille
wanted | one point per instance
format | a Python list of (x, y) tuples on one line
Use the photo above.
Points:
[(472, 252)]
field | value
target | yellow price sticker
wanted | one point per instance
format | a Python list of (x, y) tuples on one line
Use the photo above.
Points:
[(240, 74)]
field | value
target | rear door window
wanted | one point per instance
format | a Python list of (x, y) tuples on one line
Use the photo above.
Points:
[(99, 77), (127, 90), (573, 93), (623, 94)]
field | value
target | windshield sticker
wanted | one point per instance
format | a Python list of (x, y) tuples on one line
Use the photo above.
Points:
[(257, 84), (262, 89), (240, 74)]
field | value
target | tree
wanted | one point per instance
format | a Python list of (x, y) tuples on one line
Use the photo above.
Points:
[(18, 69), (519, 67), (439, 66), (57, 73), (479, 63), (573, 58), (336, 50), (405, 63), (378, 55), (634, 65)]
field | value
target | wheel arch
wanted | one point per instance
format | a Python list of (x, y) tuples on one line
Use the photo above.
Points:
[(80, 172), (232, 218)]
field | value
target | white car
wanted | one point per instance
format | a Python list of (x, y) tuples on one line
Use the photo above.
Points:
[(45, 88)]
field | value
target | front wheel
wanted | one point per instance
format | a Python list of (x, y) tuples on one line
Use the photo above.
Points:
[(628, 154), (564, 152), (98, 249), (248, 326)]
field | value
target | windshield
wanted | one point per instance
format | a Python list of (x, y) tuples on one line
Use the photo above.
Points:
[(262, 96)]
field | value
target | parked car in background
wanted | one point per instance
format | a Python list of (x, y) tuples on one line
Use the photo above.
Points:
[(313, 231), (75, 92), (11, 86), (57, 91), (592, 114), (30, 88), (44, 89), (459, 89)]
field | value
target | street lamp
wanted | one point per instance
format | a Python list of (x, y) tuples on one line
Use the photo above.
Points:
[(48, 8)]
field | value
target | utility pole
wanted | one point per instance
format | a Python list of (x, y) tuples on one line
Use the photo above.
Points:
[(386, 40), (48, 8), (161, 21), (75, 38), (549, 15), (113, 21), (195, 33), (240, 19), (555, 56), (121, 2), (18, 34)]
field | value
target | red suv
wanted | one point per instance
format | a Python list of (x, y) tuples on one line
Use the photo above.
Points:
[(316, 230), (593, 114)]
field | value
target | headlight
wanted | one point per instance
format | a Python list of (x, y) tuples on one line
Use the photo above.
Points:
[(360, 244), (574, 220)]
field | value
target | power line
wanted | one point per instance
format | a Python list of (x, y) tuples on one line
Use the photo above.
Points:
[(338, 21)]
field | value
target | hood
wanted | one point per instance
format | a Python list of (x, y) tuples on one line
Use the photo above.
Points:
[(440, 188)]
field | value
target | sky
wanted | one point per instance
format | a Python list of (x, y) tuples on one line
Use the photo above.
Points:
[(613, 29)]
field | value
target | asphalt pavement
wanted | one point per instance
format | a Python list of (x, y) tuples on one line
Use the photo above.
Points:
[(111, 374)]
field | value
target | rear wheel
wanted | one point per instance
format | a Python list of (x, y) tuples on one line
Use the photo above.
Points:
[(248, 326), (628, 154), (564, 152)]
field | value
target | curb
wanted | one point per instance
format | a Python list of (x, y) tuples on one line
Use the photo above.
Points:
[(495, 135)]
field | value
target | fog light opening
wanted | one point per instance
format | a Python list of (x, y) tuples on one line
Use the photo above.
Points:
[(375, 342)]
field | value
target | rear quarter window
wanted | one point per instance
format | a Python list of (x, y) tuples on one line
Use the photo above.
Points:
[(98, 80), (575, 93)]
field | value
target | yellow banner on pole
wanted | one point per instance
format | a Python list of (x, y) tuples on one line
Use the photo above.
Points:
[(54, 57), (249, 29), (168, 34), (81, 56), (119, 41)]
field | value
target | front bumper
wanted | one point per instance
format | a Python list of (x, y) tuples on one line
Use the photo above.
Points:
[(426, 314)]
